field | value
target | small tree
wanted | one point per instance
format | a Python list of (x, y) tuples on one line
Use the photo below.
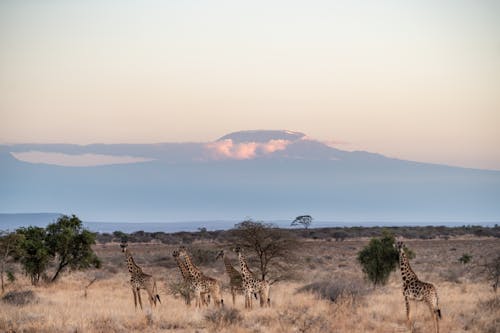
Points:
[(71, 245), (304, 220), (32, 252), (379, 258), (8, 247), (268, 242), (465, 258)]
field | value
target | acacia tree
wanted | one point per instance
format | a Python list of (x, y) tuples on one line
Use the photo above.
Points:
[(70, 245), (304, 220), (32, 252), (269, 243)]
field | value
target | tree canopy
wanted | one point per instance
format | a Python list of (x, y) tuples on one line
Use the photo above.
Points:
[(304, 220), (379, 258), (268, 242), (64, 242)]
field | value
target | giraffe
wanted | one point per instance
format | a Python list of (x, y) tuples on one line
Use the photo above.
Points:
[(201, 283), (251, 285), (140, 280), (235, 279), (414, 289), (186, 277)]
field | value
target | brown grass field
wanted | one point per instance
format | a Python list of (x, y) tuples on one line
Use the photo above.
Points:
[(467, 301)]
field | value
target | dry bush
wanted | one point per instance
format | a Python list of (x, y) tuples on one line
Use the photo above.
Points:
[(223, 318), (19, 298), (105, 325), (301, 318), (486, 317), (337, 289), (180, 289)]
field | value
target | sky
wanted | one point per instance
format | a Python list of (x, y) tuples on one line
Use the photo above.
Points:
[(417, 80)]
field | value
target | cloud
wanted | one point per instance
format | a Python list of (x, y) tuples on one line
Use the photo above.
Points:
[(226, 149), (81, 160)]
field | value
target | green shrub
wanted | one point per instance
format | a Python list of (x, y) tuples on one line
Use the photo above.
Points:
[(465, 258), (378, 259)]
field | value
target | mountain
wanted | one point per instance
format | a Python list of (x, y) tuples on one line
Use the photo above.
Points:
[(271, 175), (262, 136)]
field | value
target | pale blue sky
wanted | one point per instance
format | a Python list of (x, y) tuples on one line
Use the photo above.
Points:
[(411, 79)]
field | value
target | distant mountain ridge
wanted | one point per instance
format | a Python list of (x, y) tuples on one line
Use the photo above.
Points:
[(270, 175)]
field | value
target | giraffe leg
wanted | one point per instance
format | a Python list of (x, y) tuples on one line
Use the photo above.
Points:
[(233, 293), (408, 320), (139, 297), (135, 296), (246, 299), (197, 296), (250, 300)]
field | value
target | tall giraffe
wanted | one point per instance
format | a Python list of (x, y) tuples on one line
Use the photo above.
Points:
[(186, 277), (414, 289), (235, 279), (251, 285), (201, 283), (140, 280)]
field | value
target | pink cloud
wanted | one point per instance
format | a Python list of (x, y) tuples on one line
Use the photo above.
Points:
[(226, 149), (274, 145)]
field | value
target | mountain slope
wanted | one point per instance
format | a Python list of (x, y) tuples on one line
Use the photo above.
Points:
[(229, 180)]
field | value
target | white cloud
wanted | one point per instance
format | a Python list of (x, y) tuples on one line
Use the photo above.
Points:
[(81, 160)]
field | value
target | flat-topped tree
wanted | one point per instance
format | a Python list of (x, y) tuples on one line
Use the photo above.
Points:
[(304, 220)]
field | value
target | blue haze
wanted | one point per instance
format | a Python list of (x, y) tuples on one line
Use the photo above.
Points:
[(308, 177)]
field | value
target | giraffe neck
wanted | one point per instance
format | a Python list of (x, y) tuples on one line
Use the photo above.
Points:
[(407, 274), (231, 271), (245, 271), (131, 265), (193, 270), (182, 267)]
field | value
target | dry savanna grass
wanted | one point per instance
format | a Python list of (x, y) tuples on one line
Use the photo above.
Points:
[(328, 294)]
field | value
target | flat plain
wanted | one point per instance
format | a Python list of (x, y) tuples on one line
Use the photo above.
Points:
[(326, 292)]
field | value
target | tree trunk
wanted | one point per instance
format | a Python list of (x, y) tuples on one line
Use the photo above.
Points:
[(59, 269)]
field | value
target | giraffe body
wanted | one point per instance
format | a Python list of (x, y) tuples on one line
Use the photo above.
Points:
[(140, 280), (235, 278), (251, 285), (201, 284), (186, 277), (414, 289)]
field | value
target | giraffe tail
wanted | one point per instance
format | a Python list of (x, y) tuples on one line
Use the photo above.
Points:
[(158, 297), (438, 311)]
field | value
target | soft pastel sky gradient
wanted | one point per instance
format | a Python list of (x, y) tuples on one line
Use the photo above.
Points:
[(417, 80)]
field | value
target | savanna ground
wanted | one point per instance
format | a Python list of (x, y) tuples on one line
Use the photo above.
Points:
[(325, 293)]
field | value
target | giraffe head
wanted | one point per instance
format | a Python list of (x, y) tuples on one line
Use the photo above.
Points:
[(220, 255), (237, 250), (124, 245), (182, 251), (175, 254), (399, 246)]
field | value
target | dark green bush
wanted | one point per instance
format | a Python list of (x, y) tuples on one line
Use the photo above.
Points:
[(378, 259)]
